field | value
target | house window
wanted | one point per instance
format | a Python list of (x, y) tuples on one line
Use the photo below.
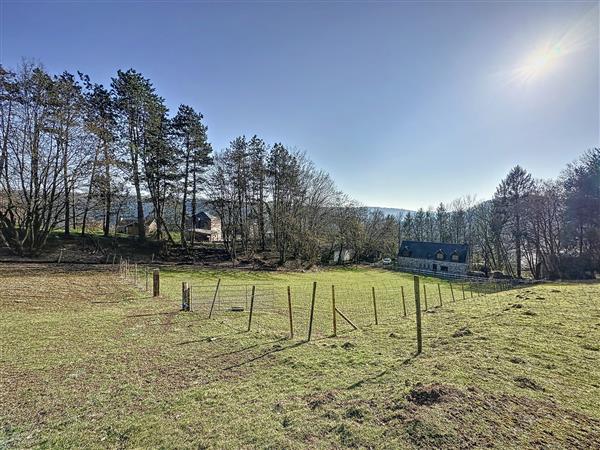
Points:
[(455, 257), (440, 255), (444, 268)]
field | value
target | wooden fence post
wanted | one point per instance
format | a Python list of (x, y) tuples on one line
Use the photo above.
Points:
[(251, 307), (403, 302), (60, 256), (183, 296), (471, 289), (440, 292), (135, 275), (425, 295), (463, 290), (214, 298), (290, 313), (312, 310), (114, 257), (189, 298), (333, 314), (146, 275), (374, 305), (156, 283), (418, 308), (452, 292)]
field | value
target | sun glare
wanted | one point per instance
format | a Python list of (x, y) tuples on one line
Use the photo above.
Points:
[(546, 57), (538, 63)]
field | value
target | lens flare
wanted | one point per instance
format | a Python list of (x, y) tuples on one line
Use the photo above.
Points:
[(548, 55)]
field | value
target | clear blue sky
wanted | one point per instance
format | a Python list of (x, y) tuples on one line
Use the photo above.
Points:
[(405, 104)]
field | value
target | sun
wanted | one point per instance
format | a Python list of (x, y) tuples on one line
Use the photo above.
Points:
[(538, 63)]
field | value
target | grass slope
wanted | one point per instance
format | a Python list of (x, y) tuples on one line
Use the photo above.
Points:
[(87, 361)]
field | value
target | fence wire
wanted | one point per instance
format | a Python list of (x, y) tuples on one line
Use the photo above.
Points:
[(507, 304)]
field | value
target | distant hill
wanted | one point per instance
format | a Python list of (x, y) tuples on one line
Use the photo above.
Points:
[(390, 211)]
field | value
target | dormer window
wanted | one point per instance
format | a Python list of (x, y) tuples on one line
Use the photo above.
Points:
[(440, 255), (406, 252), (455, 257)]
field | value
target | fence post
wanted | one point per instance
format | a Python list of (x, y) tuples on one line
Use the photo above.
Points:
[(189, 298), (146, 275), (135, 275), (251, 307), (452, 292), (214, 298), (333, 314), (440, 292), (463, 290), (114, 257), (418, 308), (156, 283), (183, 295), (403, 302), (425, 295), (290, 313), (471, 289), (312, 310), (60, 256), (374, 305)]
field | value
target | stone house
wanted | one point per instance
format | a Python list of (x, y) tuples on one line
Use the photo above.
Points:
[(205, 226), (434, 257), (129, 225)]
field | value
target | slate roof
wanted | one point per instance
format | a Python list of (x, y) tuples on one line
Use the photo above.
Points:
[(428, 250), (207, 214)]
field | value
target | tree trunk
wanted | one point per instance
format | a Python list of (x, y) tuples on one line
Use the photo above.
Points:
[(89, 195), (193, 218), (185, 189), (67, 232), (107, 192)]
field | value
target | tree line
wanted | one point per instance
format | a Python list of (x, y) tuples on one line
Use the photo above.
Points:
[(71, 147), (273, 198), (74, 153), (547, 228), (73, 150)]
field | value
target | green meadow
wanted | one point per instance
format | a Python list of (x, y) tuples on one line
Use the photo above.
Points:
[(90, 361)]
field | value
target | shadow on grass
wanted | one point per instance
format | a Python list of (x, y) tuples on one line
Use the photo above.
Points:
[(166, 313), (267, 353), (248, 348), (380, 374)]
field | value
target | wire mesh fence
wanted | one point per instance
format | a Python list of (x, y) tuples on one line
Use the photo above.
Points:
[(319, 309), (479, 317)]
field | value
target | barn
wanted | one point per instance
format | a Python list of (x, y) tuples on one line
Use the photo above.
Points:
[(434, 257)]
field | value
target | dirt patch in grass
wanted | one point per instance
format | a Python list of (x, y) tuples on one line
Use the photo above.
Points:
[(442, 416), (527, 383), (430, 394), (462, 332)]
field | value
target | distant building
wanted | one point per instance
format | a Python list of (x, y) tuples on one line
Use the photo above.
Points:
[(434, 256), (205, 226), (129, 225), (346, 256)]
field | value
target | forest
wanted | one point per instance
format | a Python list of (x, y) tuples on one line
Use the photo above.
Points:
[(73, 153)]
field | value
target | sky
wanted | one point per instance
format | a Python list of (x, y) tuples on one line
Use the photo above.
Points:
[(405, 104)]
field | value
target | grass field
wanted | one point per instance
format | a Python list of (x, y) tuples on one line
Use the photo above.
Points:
[(89, 361)]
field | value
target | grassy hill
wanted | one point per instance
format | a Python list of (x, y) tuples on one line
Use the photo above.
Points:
[(89, 361)]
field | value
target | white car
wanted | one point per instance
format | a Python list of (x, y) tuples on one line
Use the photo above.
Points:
[(386, 260)]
